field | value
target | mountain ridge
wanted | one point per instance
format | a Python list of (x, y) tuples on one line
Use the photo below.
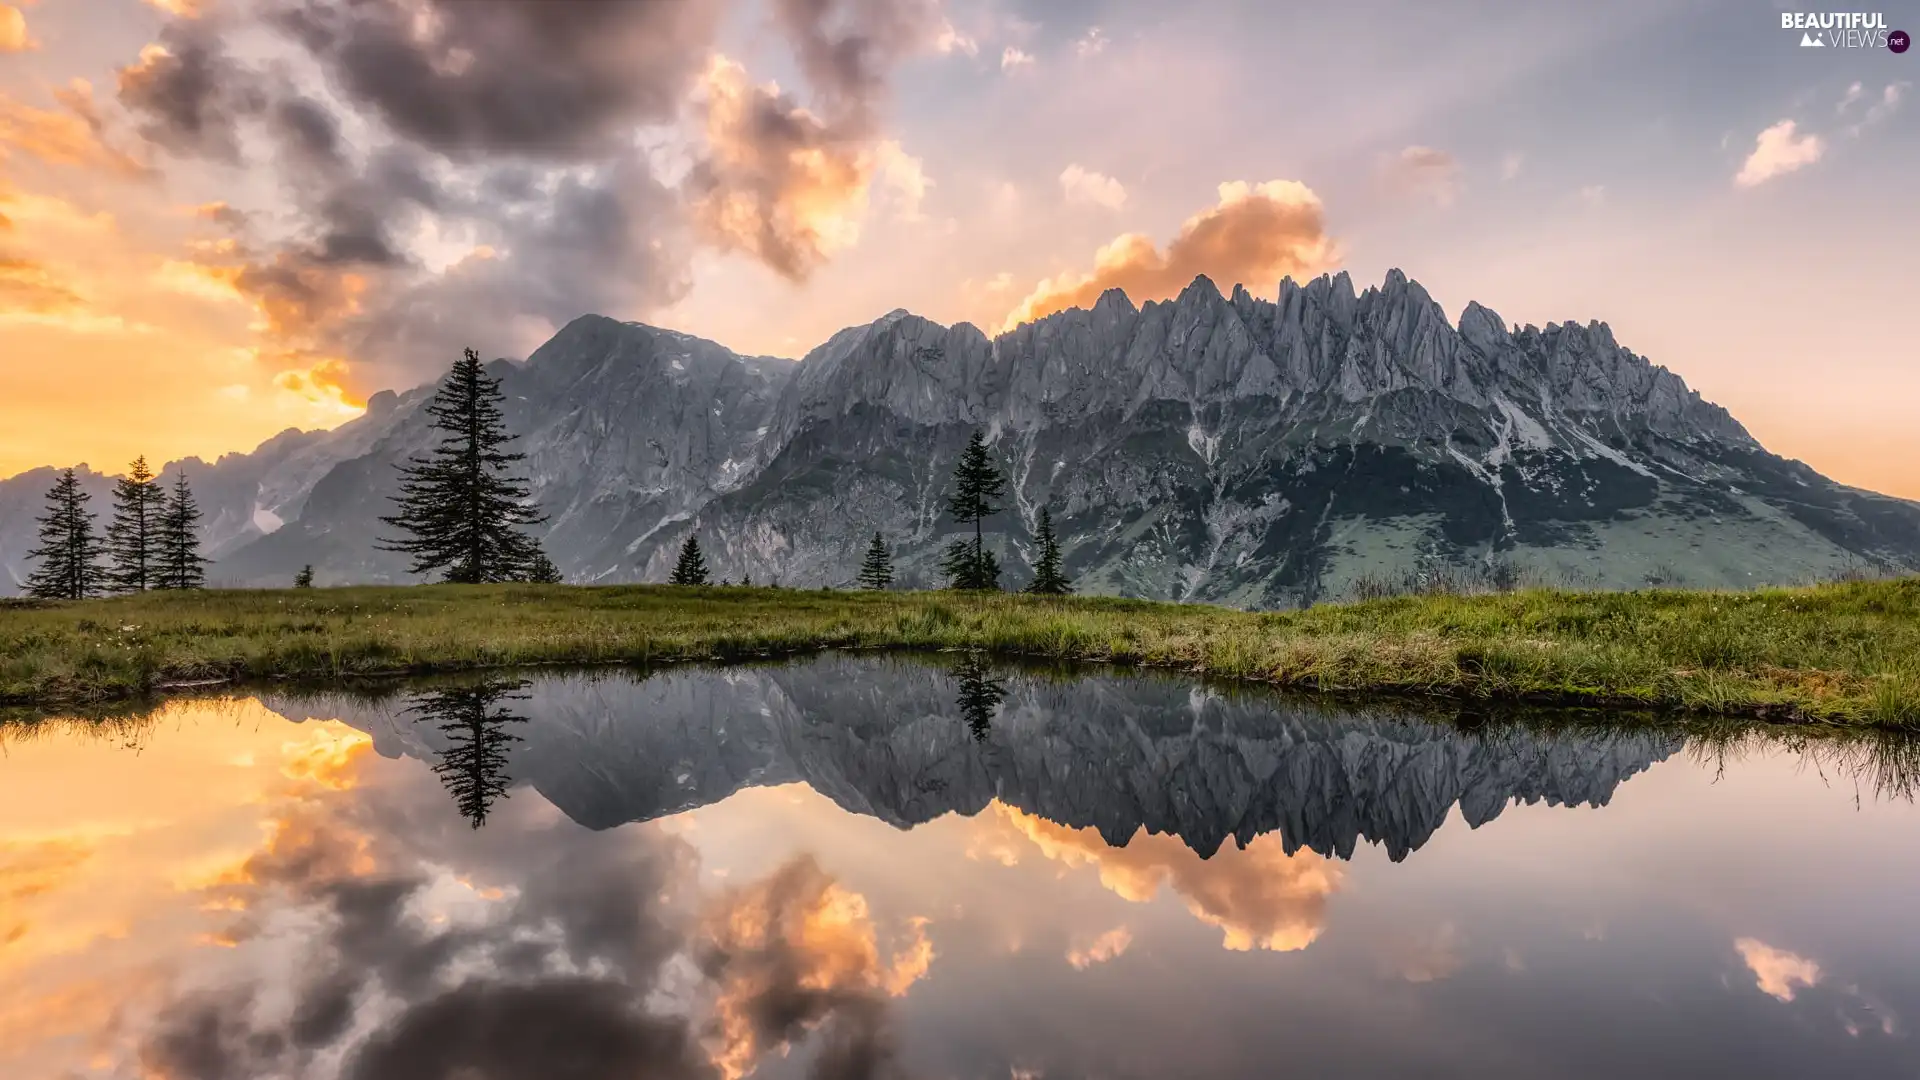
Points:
[(1225, 447)]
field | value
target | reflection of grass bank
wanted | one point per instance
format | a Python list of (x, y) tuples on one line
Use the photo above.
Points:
[(1846, 653)]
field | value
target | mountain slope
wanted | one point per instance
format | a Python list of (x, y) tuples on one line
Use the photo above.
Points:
[(1230, 448)]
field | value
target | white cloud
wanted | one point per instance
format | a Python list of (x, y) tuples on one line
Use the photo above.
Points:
[(1510, 165), (1882, 107), (1092, 188), (1425, 172), (1776, 971), (1594, 194), (1779, 150), (903, 177), (1106, 947), (1090, 45), (1854, 93), (1014, 57), (951, 40)]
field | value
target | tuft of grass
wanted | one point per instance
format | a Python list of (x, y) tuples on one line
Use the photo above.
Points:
[(1838, 653)]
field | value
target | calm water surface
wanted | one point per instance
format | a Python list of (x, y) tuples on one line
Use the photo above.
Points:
[(889, 868)]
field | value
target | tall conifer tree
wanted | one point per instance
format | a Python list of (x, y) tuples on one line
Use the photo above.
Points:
[(180, 563), (877, 571), (1047, 578), (69, 554), (691, 569), (460, 507), (473, 767), (133, 537), (976, 484)]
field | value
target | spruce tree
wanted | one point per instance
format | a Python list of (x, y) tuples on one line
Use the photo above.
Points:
[(69, 554), (134, 534), (976, 483), (692, 567), (542, 571), (877, 571), (180, 563), (304, 579), (473, 767), (1047, 578), (746, 581), (460, 507), (980, 694)]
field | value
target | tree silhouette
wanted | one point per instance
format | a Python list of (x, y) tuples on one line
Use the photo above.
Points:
[(304, 579), (69, 554), (541, 570), (473, 767), (976, 483), (460, 507), (980, 694), (180, 563), (877, 571), (692, 567), (1047, 578), (134, 533)]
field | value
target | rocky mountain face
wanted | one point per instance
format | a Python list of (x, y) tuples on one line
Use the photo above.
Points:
[(885, 738), (1228, 448)]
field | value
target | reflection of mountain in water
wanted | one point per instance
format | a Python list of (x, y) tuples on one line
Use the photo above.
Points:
[(881, 737)]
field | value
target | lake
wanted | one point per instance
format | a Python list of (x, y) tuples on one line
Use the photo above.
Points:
[(860, 866)]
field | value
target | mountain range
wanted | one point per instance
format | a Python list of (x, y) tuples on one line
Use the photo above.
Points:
[(885, 738), (1226, 448)]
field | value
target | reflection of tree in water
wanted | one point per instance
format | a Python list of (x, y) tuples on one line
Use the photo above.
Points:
[(474, 765), (980, 694)]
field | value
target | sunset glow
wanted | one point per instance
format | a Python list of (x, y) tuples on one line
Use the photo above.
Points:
[(192, 260)]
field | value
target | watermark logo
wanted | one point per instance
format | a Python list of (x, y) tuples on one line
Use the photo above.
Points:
[(1898, 41), (1843, 30)]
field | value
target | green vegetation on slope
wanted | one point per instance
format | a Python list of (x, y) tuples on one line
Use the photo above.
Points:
[(1845, 653)]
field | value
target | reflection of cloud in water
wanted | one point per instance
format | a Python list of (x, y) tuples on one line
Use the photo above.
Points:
[(1259, 896), (374, 937), (1106, 947), (1781, 974), (794, 951), (1777, 971)]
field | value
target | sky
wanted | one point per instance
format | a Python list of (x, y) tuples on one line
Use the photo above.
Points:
[(222, 218)]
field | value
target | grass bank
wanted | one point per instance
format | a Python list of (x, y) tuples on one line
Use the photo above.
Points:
[(1844, 653)]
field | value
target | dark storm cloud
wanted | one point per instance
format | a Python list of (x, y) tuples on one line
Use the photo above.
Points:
[(847, 49), (309, 132), (509, 125), (189, 95), (563, 1029), (476, 77), (609, 241)]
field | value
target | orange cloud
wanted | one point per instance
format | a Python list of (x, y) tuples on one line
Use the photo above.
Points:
[(71, 135), (1256, 234), (13, 31), (1102, 949), (29, 869), (1259, 896), (793, 951), (27, 287), (779, 182), (321, 385), (1776, 971)]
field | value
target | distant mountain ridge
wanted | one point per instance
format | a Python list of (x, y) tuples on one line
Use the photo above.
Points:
[(883, 737), (1228, 448)]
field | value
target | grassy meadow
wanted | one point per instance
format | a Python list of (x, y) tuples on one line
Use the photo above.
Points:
[(1845, 653)]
